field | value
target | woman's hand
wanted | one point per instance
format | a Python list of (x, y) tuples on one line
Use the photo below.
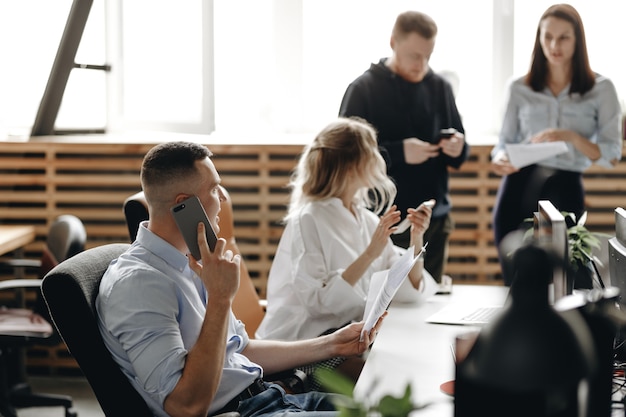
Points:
[(501, 165), (383, 231), (380, 238), (553, 135), (583, 145), (420, 217)]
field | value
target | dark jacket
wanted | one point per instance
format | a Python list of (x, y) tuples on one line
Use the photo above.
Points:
[(399, 109)]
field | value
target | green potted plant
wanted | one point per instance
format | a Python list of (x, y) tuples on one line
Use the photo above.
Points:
[(348, 406), (580, 245)]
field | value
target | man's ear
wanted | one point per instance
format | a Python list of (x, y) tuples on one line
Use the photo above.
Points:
[(180, 197), (392, 43)]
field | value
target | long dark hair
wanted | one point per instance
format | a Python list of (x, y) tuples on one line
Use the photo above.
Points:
[(583, 78)]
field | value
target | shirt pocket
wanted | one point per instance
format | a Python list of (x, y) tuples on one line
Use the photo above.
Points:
[(581, 118), (533, 119)]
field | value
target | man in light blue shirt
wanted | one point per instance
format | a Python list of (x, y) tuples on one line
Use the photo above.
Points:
[(167, 318)]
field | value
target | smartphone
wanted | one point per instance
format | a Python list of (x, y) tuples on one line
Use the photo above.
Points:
[(187, 214), (447, 133), (405, 224)]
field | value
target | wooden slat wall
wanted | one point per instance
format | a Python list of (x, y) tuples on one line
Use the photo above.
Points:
[(41, 180)]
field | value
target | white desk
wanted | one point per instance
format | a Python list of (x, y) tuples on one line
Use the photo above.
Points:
[(408, 349)]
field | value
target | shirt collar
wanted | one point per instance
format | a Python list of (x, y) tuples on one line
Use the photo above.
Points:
[(160, 247)]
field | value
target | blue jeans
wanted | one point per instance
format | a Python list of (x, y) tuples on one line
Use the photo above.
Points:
[(275, 402)]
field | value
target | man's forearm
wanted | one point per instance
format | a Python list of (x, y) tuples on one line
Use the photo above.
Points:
[(204, 364), (276, 356)]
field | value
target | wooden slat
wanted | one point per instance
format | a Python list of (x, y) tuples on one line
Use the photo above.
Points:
[(91, 177)]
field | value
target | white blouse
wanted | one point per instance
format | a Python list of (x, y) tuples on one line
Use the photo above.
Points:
[(306, 294)]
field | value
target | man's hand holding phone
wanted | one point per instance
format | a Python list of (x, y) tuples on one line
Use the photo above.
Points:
[(417, 151), (219, 269), (451, 142)]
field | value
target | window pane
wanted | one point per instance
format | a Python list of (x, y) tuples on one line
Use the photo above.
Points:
[(31, 30), (162, 61), (34, 28), (342, 38), (84, 101), (246, 84), (291, 74)]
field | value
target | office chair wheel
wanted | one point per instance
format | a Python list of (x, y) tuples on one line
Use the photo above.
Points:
[(70, 412)]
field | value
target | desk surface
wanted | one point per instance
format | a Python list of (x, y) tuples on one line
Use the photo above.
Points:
[(408, 349), (15, 237)]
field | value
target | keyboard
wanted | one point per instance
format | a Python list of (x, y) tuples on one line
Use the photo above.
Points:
[(482, 314)]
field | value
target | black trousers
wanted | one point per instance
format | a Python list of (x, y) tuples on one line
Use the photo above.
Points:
[(518, 197)]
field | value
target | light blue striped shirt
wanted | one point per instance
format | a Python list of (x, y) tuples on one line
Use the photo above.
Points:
[(596, 116), (151, 307)]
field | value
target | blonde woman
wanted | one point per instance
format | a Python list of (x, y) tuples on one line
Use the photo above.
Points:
[(334, 240)]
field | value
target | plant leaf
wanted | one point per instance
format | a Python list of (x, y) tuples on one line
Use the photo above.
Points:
[(333, 381), (390, 406)]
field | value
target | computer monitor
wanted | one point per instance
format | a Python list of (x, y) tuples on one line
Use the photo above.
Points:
[(617, 255), (550, 231)]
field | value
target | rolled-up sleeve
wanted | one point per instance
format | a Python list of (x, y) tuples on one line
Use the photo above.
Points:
[(609, 136), (509, 133), (149, 333)]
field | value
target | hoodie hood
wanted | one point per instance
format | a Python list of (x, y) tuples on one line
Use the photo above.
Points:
[(381, 69)]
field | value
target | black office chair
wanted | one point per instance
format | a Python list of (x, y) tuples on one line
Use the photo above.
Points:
[(21, 327), (70, 291), (135, 211)]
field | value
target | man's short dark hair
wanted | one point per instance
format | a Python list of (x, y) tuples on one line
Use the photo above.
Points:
[(171, 160), (414, 22)]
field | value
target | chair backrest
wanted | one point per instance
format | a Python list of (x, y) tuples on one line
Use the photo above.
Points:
[(66, 237), (70, 291), (246, 305), (135, 211)]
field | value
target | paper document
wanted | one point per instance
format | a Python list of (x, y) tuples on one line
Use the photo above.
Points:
[(407, 294), (377, 302), (524, 154)]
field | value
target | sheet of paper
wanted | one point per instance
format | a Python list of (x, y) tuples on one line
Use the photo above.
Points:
[(406, 294), (385, 285), (524, 154)]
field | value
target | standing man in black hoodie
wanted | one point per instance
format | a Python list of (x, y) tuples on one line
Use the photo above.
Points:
[(409, 105)]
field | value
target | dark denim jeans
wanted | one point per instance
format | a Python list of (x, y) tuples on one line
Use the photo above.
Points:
[(275, 402)]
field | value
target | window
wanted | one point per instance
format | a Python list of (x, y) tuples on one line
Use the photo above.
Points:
[(32, 31), (162, 65), (256, 68)]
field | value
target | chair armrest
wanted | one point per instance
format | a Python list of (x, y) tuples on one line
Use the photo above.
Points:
[(20, 263), (19, 283)]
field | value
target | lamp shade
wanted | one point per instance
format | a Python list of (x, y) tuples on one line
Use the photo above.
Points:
[(530, 360)]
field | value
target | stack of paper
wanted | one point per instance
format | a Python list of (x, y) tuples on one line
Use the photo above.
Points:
[(524, 154), (384, 285)]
